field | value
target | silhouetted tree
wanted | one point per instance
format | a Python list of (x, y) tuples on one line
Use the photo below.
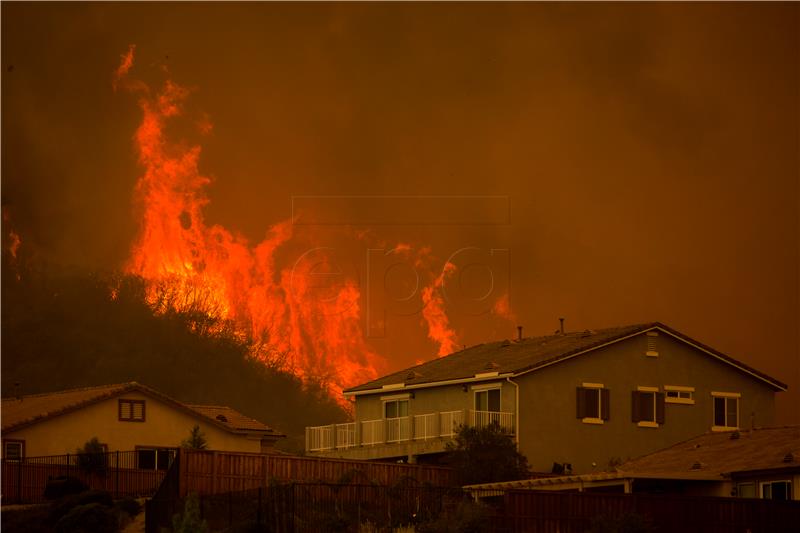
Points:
[(196, 440), (486, 455)]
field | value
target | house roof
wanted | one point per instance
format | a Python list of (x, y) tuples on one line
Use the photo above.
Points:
[(709, 457), (32, 409), (511, 358), (722, 454)]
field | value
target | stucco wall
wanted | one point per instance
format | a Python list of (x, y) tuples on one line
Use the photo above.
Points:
[(550, 431), (164, 427)]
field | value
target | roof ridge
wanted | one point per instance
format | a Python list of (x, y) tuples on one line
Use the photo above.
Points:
[(76, 389)]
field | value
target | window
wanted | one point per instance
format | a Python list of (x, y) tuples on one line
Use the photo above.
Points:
[(652, 348), (647, 407), (395, 409), (726, 411), (487, 400), (13, 450), (154, 458), (131, 410), (746, 490), (676, 394), (593, 403), (776, 490)]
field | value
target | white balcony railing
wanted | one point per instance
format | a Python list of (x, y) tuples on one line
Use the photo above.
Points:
[(449, 422), (392, 430), (319, 438), (345, 435), (398, 429), (481, 419), (426, 426), (372, 432)]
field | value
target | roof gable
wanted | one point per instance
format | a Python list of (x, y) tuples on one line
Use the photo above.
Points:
[(32, 409), (514, 358)]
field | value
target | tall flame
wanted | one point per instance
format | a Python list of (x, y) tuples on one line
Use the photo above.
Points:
[(187, 262), (439, 329)]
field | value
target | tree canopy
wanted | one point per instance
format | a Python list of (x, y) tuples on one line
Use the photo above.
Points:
[(486, 455)]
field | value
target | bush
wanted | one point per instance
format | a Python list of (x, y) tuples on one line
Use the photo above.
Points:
[(189, 521), (65, 505), (89, 518), (485, 455), (129, 506), (92, 458), (467, 517), (627, 523), (63, 486)]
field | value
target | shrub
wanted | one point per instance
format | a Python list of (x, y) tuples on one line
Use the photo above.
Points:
[(196, 440), (66, 504), (627, 523), (189, 521), (129, 506), (61, 486), (486, 455), (89, 518), (92, 457)]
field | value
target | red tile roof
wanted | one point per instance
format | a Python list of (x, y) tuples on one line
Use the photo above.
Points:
[(517, 357)]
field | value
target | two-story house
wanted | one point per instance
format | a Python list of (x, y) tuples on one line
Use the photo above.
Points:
[(576, 402)]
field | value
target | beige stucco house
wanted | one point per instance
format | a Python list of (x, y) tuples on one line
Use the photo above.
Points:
[(760, 463), (128, 416), (574, 402)]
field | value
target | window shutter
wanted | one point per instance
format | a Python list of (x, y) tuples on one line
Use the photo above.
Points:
[(124, 410), (605, 404), (659, 408), (138, 411), (635, 407), (581, 402)]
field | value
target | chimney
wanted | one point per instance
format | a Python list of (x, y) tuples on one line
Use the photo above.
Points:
[(519, 331), (562, 325)]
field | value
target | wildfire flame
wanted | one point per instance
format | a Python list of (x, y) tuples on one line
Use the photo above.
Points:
[(187, 262)]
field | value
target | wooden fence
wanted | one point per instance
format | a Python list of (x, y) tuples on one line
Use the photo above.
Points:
[(119, 473), (213, 472)]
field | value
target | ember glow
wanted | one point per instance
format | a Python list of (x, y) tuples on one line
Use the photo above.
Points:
[(188, 263)]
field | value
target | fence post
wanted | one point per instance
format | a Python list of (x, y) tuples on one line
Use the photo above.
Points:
[(230, 508), (19, 480), (116, 460), (258, 509)]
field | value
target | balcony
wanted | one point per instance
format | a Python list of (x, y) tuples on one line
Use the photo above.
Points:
[(441, 425)]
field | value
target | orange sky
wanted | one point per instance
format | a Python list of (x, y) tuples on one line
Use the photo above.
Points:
[(649, 153)]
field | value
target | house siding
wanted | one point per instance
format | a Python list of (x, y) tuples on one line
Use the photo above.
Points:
[(164, 426), (550, 432)]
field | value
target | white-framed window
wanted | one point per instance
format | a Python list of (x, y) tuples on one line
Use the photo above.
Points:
[(746, 490), (647, 408), (776, 490), (13, 449), (154, 458), (726, 410), (652, 345), (395, 408), (488, 399), (593, 403), (679, 394)]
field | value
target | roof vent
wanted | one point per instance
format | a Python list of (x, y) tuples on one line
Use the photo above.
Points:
[(697, 466), (491, 365), (413, 375), (587, 333), (505, 343), (222, 418), (735, 435), (788, 458)]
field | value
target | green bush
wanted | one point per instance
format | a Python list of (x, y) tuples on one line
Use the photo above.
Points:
[(129, 506), (627, 523), (189, 521), (66, 504), (89, 518), (62, 486)]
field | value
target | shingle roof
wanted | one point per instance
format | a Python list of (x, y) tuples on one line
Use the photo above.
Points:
[(515, 357), (709, 457), (33, 408), (720, 454)]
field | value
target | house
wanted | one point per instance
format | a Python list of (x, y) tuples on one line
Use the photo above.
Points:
[(127, 416), (574, 402), (758, 463)]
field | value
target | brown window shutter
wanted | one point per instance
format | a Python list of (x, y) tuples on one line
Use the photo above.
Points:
[(580, 401), (605, 404), (124, 410), (659, 408), (635, 407)]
